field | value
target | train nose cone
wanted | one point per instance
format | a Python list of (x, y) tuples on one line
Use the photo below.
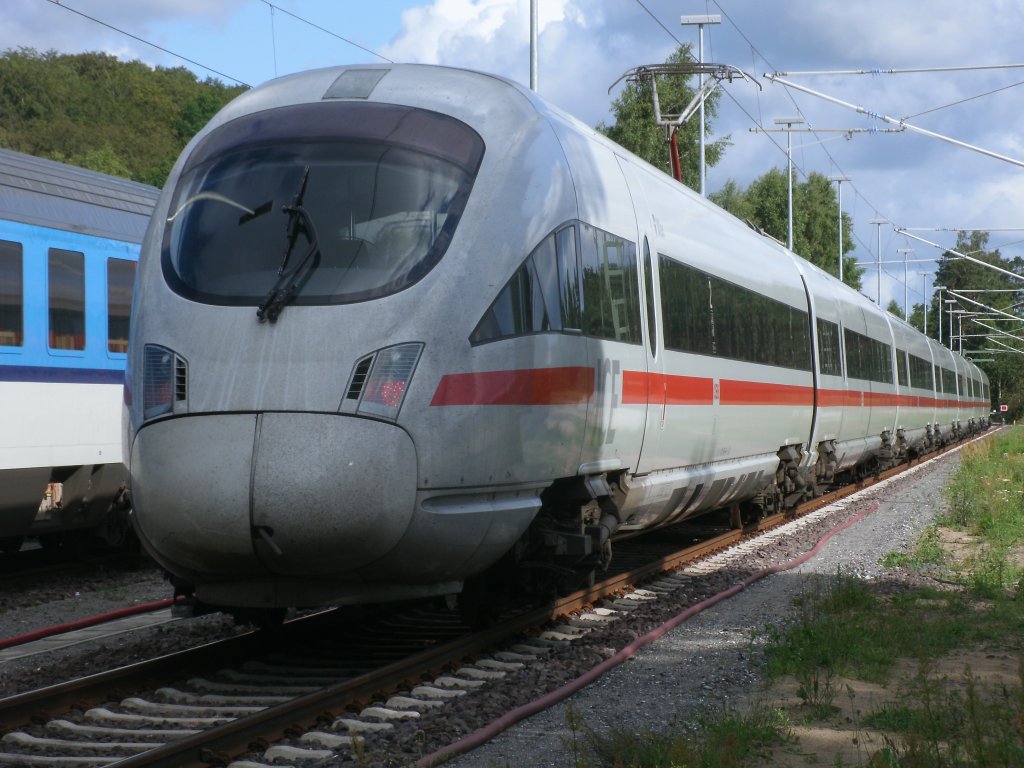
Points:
[(230, 495), (336, 492)]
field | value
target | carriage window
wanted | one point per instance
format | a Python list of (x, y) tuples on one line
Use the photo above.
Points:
[(920, 373), (610, 286), (901, 368), (707, 315), (652, 327), (948, 381), (867, 358), (552, 291), (12, 291), (66, 276), (542, 295), (685, 307), (829, 349), (120, 276)]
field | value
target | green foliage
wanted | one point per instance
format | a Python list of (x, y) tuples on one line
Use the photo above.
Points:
[(765, 203), (721, 740), (941, 727), (849, 631), (986, 500), (95, 111), (1006, 369), (927, 553), (634, 127)]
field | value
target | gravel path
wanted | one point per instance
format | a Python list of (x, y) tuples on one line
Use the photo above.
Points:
[(706, 663)]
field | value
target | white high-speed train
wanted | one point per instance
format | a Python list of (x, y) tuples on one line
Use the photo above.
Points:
[(404, 328)]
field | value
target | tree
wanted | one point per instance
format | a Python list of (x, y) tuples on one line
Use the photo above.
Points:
[(993, 289), (95, 111), (765, 203), (634, 127)]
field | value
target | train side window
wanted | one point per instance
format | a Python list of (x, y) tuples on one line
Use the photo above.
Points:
[(948, 381), (570, 287), (829, 349), (755, 328), (120, 277), (12, 295), (610, 283), (901, 367), (685, 307), (519, 308), (867, 358), (652, 326), (920, 373), (707, 315), (66, 277)]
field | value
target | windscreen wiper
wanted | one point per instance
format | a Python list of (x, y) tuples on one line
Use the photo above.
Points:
[(290, 280)]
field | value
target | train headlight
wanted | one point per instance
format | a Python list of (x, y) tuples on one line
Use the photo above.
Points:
[(388, 380), (163, 380)]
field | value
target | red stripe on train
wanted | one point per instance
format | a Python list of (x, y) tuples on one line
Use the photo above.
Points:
[(572, 385), (761, 393), (639, 388)]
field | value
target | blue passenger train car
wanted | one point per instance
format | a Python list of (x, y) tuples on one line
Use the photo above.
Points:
[(69, 244)]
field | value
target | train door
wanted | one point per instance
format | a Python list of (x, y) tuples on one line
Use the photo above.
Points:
[(612, 322), (646, 385)]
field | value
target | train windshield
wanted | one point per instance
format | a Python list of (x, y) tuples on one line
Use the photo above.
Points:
[(380, 190)]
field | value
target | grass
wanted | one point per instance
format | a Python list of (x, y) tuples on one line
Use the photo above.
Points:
[(725, 740)]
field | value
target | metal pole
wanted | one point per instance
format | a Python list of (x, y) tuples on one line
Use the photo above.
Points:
[(533, 45), (906, 283), (939, 288), (840, 230), (924, 298), (878, 258), (700, 21), (839, 180), (789, 122), (789, 189), (700, 86)]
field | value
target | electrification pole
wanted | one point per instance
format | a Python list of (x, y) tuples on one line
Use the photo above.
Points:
[(839, 183), (878, 258), (789, 122), (700, 21)]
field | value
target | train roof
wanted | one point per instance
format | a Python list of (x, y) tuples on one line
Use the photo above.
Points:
[(50, 194)]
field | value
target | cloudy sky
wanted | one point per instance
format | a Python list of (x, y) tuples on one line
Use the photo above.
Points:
[(912, 180)]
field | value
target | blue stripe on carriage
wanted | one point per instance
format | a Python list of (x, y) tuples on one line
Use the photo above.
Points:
[(44, 374)]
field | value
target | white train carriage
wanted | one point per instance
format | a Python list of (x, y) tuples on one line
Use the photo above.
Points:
[(69, 243), (400, 327)]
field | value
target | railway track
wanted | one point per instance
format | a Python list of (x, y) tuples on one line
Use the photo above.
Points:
[(324, 683)]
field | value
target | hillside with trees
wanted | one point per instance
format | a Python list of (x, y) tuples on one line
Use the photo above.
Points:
[(96, 111)]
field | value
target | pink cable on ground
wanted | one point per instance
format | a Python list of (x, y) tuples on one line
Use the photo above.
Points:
[(492, 729), (120, 613)]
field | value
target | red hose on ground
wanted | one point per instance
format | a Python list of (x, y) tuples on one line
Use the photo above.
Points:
[(489, 731), (120, 613)]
